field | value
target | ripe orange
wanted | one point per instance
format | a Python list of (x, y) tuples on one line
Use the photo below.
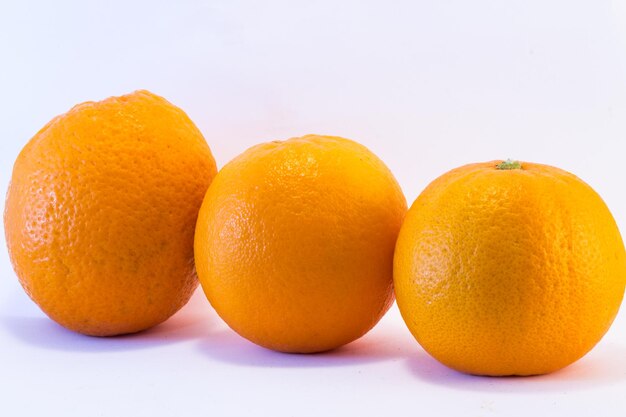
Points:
[(509, 269), (294, 242), (101, 210)]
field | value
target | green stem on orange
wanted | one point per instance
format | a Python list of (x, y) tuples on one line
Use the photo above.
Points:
[(509, 164)]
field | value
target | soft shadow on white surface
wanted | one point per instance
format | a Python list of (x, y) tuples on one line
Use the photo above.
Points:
[(381, 344), (192, 322), (605, 365)]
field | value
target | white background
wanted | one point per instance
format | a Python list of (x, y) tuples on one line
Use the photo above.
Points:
[(427, 85)]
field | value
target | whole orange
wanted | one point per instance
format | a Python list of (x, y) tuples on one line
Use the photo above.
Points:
[(101, 210), (294, 242), (504, 268)]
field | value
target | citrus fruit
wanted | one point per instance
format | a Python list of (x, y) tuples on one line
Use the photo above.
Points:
[(294, 242), (101, 211), (508, 268)]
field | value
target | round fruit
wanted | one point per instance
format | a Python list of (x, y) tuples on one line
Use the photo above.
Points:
[(101, 210), (294, 242), (504, 268)]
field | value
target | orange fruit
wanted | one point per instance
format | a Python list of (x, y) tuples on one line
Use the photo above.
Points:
[(294, 242), (101, 210), (504, 268)]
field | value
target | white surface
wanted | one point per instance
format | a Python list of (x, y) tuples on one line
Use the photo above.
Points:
[(427, 85)]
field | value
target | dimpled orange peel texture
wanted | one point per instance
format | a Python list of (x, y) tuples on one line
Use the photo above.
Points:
[(295, 239), (101, 211), (508, 268)]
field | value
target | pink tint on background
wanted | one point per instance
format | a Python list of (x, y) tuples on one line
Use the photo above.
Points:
[(427, 86)]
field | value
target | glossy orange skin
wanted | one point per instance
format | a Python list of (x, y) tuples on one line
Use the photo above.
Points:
[(509, 272), (101, 210), (294, 242)]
